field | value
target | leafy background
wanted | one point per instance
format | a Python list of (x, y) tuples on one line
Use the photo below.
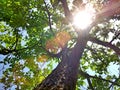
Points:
[(31, 28)]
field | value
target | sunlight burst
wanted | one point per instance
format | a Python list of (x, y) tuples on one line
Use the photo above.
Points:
[(83, 19)]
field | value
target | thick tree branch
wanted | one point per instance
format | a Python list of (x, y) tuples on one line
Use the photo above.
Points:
[(106, 44), (86, 75)]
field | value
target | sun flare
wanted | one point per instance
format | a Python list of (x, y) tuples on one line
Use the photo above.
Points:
[(83, 19)]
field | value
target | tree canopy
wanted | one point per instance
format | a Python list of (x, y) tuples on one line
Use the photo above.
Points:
[(34, 35)]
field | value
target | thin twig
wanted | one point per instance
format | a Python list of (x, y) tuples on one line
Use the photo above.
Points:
[(115, 37), (49, 17)]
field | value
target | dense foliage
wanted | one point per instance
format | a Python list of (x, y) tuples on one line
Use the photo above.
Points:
[(34, 32)]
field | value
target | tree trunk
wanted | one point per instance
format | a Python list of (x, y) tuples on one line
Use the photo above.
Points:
[(64, 76)]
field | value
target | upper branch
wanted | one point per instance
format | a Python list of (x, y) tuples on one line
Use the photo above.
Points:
[(106, 44), (66, 10)]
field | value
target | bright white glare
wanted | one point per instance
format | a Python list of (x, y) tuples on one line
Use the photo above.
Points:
[(84, 18)]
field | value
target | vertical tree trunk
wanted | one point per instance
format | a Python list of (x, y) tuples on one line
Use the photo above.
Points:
[(64, 76)]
